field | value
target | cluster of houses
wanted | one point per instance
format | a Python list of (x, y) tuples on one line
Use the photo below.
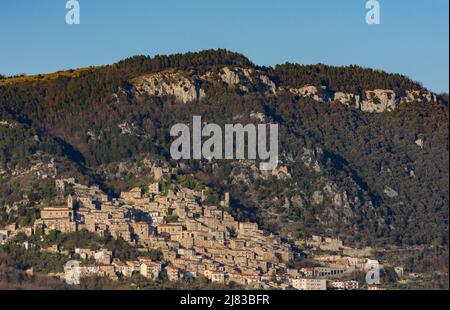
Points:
[(194, 238)]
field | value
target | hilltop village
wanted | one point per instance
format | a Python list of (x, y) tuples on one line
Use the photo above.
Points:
[(195, 237)]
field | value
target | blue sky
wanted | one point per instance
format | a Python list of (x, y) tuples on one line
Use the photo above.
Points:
[(413, 38)]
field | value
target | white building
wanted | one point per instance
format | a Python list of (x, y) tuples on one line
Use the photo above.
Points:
[(344, 285), (150, 270), (306, 284), (371, 265)]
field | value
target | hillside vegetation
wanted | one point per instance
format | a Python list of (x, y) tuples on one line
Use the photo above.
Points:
[(361, 176)]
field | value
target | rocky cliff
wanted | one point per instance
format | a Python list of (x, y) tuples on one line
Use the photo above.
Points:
[(187, 87)]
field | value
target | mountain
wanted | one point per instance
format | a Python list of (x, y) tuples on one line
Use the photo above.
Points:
[(364, 154)]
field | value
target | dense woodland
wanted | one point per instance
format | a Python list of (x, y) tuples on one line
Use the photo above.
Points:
[(351, 79), (75, 119)]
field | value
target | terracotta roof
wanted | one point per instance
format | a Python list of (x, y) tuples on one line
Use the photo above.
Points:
[(119, 263), (144, 258)]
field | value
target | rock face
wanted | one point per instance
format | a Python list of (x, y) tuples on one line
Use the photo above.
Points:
[(9, 124), (308, 91), (391, 193), (267, 83), (375, 101), (417, 95), (185, 89), (232, 77), (247, 80), (347, 99), (130, 129), (317, 198), (420, 143), (311, 158), (281, 173), (379, 100), (259, 116)]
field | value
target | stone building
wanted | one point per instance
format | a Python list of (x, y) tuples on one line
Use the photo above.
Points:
[(170, 229), (154, 188), (307, 284), (150, 270), (60, 218)]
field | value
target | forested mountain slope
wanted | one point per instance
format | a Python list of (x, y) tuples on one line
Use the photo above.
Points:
[(364, 154)]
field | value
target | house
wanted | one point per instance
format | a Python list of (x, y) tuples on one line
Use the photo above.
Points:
[(293, 272), (344, 285), (150, 270), (400, 271), (106, 271), (247, 229), (332, 272), (218, 277), (141, 230), (60, 218), (173, 273), (190, 274), (122, 268), (169, 229), (154, 188), (103, 257), (158, 173), (371, 264), (135, 193), (215, 276), (57, 212), (306, 284), (351, 285), (84, 253)]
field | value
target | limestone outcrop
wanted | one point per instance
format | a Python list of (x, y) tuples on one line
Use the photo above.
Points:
[(308, 91), (373, 101), (379, 100), (184, 88), (187, 87)]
